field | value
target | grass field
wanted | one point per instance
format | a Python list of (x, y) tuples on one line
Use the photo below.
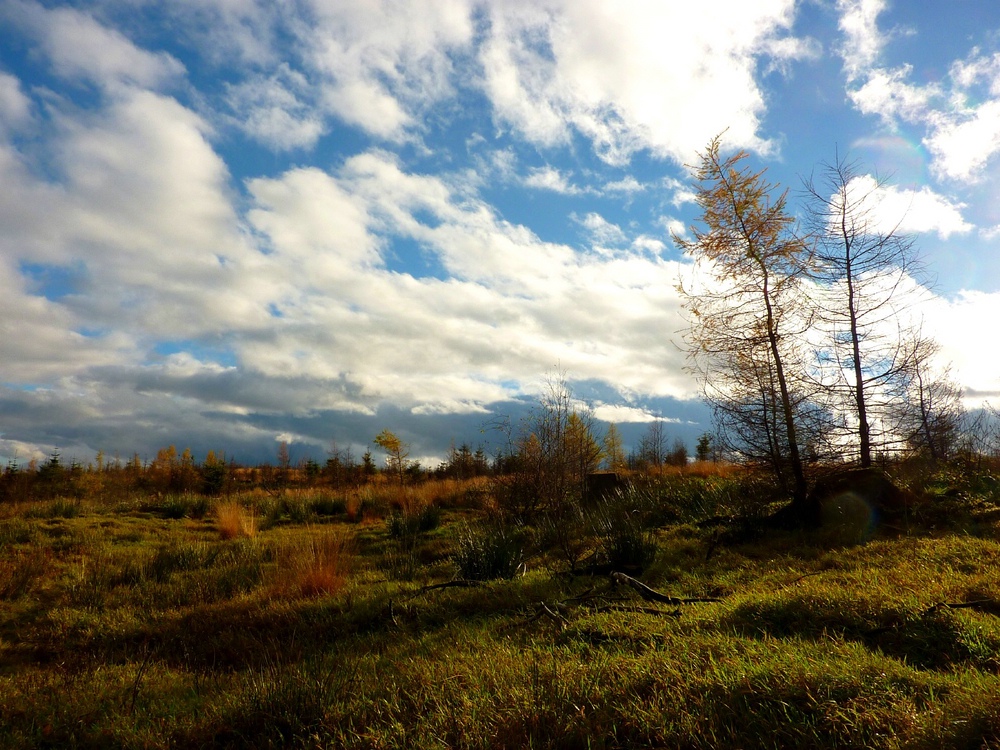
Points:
[(305, 619)]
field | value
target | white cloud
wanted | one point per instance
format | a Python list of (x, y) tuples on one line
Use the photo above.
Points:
[(977, 67), (512, 305), (550, 178), (379, 64), (680, 192), (644, 243), (961, 116), (80, 47), (244, 32), (607, 71), (621, 414), (786, 50), (601, 231), (270, 110), (148, 243), (627, 184), (15, 107), (673, 226), (909, 211), (612, 73), (887, 94), (957, 324), (862, 40), (42, 344), (962, 145), (961, 139)]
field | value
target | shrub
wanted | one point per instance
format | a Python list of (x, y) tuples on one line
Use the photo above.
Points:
[(296, 508), (174, 507), (400, 525), (328, 506), (184, 506), (565, 532), (401, 562), (488, 552)]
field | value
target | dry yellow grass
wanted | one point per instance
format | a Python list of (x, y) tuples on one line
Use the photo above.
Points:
[(353, 507), (315, 566), (235, 521)]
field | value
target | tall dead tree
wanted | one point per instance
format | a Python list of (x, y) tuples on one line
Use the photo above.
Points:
[(865, 269)]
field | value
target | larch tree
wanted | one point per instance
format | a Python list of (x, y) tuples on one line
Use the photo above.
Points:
[(397, 453), (746, 317), (614, 449), (864, 269), (583, 449)]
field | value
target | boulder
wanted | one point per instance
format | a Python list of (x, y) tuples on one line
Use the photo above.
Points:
[(851, 492)]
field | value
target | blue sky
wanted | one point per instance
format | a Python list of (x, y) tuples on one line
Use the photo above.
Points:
[(230, 223)]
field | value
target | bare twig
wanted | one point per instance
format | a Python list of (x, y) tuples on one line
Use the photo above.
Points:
[(563, 622), (651, 595), (458, 583), (140, 673)]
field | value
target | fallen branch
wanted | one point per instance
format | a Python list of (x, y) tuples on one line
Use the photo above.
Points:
[(458, 583), (987, 606), (651, 595), (543, 610)]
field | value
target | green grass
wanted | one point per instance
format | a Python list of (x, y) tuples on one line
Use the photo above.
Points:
[(135, 624)]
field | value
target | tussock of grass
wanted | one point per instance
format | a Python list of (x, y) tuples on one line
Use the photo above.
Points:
[(234, 521), (316, 565), (21, 571), (488, 552)]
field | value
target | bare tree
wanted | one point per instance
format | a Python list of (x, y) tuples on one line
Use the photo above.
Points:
[(653, 445), (548, 454), (864, 269), (931, 414), (745, 320)]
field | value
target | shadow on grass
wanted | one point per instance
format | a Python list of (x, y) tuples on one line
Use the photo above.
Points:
[(938, 639)]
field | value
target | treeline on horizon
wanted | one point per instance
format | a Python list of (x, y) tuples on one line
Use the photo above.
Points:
[(173, 471)]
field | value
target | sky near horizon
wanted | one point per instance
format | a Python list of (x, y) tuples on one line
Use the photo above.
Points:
[(227, 223)]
